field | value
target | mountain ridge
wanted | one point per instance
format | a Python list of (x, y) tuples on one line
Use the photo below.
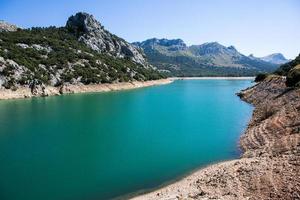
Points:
[(208, 59), (276, 58)]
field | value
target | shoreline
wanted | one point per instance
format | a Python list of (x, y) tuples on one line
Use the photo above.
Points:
[(214, 78), (268, 167), (171, 183), (183, 187), (25, 92)]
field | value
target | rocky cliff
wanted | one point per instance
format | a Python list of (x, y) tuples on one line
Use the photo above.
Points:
[(93, 34), (269, 167)]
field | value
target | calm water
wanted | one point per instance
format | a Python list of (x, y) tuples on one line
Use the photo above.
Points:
[(99, 146)]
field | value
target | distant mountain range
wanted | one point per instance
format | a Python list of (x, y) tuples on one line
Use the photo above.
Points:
[(175, 58), (83, 52)]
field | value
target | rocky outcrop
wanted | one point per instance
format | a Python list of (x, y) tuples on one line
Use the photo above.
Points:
[(93, 34), (10, 71), (37, 47), (269, 167), (4, 26)]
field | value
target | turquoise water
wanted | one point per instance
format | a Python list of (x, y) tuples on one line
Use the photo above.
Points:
[(100, 146)]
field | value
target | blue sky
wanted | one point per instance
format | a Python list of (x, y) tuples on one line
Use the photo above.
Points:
[(260, 27)]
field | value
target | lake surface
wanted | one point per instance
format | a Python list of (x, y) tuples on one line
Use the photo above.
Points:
[(99, 146)]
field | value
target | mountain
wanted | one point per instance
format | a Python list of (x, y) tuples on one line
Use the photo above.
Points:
[(175, 58), (82, 52), (93, 34), (276, 58)]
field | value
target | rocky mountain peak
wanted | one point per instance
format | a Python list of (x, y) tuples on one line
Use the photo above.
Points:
[(277, 55), (232, 48), (166, 42), (213, 45), (83, 23), (276, 58), (92, 33), (214, 49), (170, 45), (173, 45)]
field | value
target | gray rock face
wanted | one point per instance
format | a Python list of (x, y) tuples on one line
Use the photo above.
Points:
[(37, 47), (15, 71), (276, 58), (214, 49), (93, 34), (170, 45), (4, 26)]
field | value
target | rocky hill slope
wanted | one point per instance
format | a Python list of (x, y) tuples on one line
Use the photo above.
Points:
[(175, 58), (269, 167), (83, 52), (93, 34)]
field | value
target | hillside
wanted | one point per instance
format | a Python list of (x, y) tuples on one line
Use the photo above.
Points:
[(175, 58), (82, 52)]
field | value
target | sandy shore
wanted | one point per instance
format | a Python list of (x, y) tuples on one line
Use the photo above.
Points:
[(25, 92)]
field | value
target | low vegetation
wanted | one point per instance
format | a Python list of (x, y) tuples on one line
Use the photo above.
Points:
[(293, 77), (291, 70), (260, 77), (54, 56), (285, 68)]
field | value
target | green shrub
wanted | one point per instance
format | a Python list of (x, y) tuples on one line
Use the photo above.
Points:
[(293, 77), (260, 77), (284, 69)]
